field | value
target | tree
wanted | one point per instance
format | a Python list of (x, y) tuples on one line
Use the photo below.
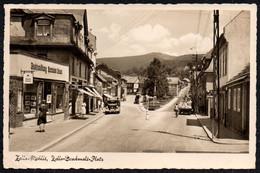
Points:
[(156, 82)]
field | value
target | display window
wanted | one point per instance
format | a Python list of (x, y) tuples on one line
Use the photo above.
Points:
[(30, 102), (59, 99)]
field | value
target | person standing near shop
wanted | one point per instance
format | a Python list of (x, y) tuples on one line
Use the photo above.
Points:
[(42, 116)]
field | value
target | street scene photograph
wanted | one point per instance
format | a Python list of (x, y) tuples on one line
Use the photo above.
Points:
[(129, 79)]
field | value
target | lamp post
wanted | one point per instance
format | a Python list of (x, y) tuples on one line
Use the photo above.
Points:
[(195, 80)]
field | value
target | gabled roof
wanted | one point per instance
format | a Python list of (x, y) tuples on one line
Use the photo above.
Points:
[(173, 80), (101, 77), (109, 70), (242, 75), (210, 68), (131, 79), (77, 13)]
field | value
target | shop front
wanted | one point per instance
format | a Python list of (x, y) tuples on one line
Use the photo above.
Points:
[(49, 81)]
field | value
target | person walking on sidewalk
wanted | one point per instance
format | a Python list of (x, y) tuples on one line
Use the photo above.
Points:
[(176, 110), (42, 116)]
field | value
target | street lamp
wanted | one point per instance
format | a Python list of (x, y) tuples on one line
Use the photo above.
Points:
[(196, 70)]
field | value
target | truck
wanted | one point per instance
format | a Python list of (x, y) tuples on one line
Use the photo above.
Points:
[(185, 107)]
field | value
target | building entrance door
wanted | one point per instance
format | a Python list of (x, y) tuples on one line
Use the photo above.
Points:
[(47, 95)]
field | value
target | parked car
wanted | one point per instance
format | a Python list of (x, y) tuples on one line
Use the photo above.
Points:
[(112, 106)]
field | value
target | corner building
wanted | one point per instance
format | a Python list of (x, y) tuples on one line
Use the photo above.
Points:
[(54, 44)]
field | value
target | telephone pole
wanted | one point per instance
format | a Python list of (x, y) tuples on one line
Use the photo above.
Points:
[(216, 84)]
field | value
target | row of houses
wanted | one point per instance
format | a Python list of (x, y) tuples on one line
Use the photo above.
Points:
[(135, 84), (53, 57), (234, 76)]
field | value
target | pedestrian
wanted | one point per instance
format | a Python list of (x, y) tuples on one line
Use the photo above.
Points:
[(176, 110), (42, 116)]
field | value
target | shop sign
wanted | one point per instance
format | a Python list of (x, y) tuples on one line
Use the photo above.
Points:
[(28, 78), (44, 69), (48, 99)]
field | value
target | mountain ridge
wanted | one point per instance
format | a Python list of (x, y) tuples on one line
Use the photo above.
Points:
[(126, 63)]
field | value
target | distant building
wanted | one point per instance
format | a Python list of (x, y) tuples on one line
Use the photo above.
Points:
[(132, 84), (173, 83), (113, 78)]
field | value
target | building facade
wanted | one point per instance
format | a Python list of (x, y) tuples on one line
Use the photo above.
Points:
[(173, 84), (58, 36), (132, 84), (113, 81), (234, 72)]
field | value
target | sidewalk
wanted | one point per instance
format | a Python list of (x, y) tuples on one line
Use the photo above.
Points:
[(227, 136), (28, 139)]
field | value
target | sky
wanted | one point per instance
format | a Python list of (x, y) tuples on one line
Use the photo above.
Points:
[(127, 32)]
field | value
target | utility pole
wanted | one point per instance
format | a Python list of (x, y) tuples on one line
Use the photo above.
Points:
[(196, 82), (216, 84)]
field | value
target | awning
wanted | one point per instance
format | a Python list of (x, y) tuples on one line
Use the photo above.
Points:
[(108, 96), (95, 91), (85, 92), (89, 90)]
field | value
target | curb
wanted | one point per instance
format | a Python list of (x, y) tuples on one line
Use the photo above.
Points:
[(220, 141), (66, 135)]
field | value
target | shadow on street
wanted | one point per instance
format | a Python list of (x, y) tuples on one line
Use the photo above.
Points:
[(174, 134), (225, 132), (193, 122)]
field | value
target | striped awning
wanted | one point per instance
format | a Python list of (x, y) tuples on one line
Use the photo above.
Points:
[(92, 92), (85, 92), (95, 91)]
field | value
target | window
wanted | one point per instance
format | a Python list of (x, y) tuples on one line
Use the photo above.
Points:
[(234, 99), (86, 72), (229, 98), (220, 63), (43, 27), (19, 101), (238, 99), (79, 69), (224, 61), (73, 66)]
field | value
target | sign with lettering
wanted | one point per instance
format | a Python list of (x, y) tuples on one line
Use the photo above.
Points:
[(41, 68), (28, 78)]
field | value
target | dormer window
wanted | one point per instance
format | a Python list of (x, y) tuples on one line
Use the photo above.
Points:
[(43, 24), (43, 28)]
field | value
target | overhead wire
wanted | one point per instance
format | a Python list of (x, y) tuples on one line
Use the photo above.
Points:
[(114, 41), (128, 30), (198, 27), (129, 25)]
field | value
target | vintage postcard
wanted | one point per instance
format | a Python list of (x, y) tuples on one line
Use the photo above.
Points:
[(130, 86)]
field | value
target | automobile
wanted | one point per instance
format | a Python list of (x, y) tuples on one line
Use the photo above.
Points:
[(112, 106), (185, 108)]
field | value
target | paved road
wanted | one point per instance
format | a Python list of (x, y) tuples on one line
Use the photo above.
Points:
[(131, 132)]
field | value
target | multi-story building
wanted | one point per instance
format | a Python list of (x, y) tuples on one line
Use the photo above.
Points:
[(205, 84), (235, 74), (113, 81), (54, 46)]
